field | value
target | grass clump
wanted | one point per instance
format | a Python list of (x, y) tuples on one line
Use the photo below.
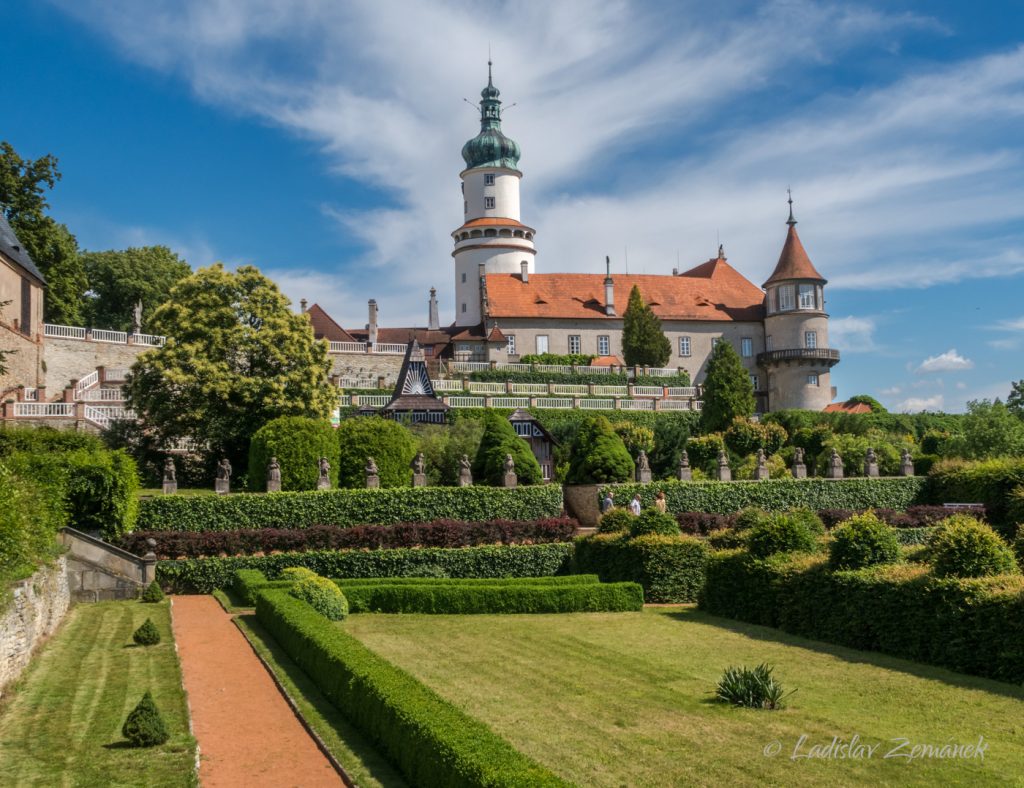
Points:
[(144, 726), (752, 688), (147, 634)]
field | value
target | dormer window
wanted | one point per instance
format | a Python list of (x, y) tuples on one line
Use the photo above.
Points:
[(786, 298), (807, 297)]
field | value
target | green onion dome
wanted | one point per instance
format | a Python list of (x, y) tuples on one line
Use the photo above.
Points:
[(490, 148)]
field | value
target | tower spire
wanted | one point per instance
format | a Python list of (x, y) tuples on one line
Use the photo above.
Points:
[(790, 221)]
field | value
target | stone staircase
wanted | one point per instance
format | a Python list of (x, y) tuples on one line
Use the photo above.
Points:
[(99, 571)]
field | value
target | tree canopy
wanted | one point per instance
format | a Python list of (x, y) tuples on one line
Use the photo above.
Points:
[(728, 392), (236, 357), (118, 280), (1015, 402), (499, 438), (643, 341), (599, 455)]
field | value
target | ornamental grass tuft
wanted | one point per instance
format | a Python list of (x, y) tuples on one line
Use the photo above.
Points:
[(753, 688)]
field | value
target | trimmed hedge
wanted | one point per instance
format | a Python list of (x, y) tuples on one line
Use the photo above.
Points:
[(777, 494), (347, 507), (298, 442), (669, 568), (990, 482), (203, 575), (432, 742), (443, 533), (512, 598), (973, 626)]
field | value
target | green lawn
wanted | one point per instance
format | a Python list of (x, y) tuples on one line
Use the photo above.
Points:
[(611, 699), (62, 723)]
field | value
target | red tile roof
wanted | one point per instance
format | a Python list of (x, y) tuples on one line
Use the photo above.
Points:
[(848, 407), (493, 221), (324, 326), (712, 291), (794, 262), (606, 361)]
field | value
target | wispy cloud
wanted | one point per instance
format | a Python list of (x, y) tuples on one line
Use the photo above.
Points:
[(950, 361), (915, 404), (852, 334)]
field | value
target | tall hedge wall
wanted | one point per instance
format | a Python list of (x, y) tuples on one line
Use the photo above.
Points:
[(776, 494), (984, 481), (670, 569), (347, 507), (298, 443)]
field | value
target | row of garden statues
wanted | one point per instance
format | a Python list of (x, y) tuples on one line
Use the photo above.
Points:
[(834, 470)]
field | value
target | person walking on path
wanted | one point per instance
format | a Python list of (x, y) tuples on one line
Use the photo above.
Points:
[(659, 502), (634, 505), (607, 504)]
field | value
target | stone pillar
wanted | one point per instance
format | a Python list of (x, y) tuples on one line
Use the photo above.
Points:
[(724, 473), (372, 481), (419, 480), (799, 470), (906, 464), (170, 487), (510, 480), (149, 563), (643, 468), (835, 466), (761, 472), (685, 473), (870, 464), (222, 486)]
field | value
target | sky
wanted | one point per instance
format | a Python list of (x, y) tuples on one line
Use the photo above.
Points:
[(320, 141)]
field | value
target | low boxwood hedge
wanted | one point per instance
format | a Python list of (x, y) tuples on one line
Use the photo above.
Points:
[(203, 575), (669, 568), (347, 507), (776, 494), (973, 625), (429, 740), (509, 598)]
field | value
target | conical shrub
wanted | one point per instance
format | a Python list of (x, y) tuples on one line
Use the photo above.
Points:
[(147, 634), (144, 726), (153, 593)]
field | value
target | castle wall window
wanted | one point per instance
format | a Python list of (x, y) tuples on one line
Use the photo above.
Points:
[(684, 346), (575, 344), (812, 379), (810, 340), (786, 298), (542, 343), (753, 382), (768, 343), (489, 179), (746, 347), (488, 202), (604, 347), (511, 344), (463, 307), (807, 299), (463, 278)]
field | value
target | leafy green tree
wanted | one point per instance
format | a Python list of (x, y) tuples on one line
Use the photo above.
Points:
[(643, 341), (236, 357), (1015, 402), (444, 445), (23, 183), (118, 280), (867, 399), (728, 392), (989, 429), (389, 443), (745, 437), (298, 442), (636, 437), (499, 438), (599, 455)]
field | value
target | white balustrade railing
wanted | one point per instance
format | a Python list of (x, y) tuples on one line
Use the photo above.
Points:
[(662, 372), (529, 388), (101, 335), (86, 383), (468, 366), (373, 400), (636, 404), (28, 410), (104, 395), (446, 385), (114, 337), (477, 387), (688, 392), (597, 404), (611, 391), (575, 389), (151, 340), (513, 367), (465, 402), (357, 383), (647, 391), (347, 347), (698, 404), (390, 349), (558, 369), (63, 332), (557, 403), (510, 402), (675, 404)]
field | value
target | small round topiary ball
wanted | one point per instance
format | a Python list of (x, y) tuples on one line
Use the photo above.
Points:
[(153, 593), (862, 541), (144, 726), (964, 547), (781, 533), (147, 634), (615, 521), (651, 521)]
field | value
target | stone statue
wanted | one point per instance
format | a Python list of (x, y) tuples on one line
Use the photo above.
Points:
[(273, 475), (835, 466), (799, 468), (870, 463), (323, 481), (643, 468), (724, 471), (137, 317), (510, 479), (761, 472), (223, 482), (465, 472), (906, 463), (685, 473), (372, 474), (419, 477), (170, 477)]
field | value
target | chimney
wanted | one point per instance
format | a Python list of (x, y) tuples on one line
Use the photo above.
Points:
[(525, 265), (609, 288), (433, 323), (371, 327), (302, 304)]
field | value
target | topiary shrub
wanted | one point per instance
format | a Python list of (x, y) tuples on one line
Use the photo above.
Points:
[(651, 521), (498, 440), (389, 443), (322, 595), (144, 726), (964, 547), (752, 688), (153, 593), (147, 634), (298, 443), (781, 533), (862, 541), (598, 455), (809, 518), (615, 521), (296, 573), (728, 539), (751, 517)]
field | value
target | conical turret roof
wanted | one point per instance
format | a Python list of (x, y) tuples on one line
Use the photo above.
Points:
[(794, 262)]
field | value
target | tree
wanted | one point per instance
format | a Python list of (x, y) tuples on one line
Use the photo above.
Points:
[(643, 341), (389, 443), (867, 399), (499, 439), (23, 183), (1015, 402), (728, 392), (989, 430), (298, 443), (236, 357), (118, 280), (671, 431), (599, 455)]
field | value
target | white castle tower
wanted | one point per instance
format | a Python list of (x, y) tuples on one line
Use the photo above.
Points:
[(491, 240)]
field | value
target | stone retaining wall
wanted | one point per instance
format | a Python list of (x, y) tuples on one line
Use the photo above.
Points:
[(73, 359), (32, 615)]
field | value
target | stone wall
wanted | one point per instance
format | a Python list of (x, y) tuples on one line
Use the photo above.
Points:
[(100, 572), (32, 615), (73, 359), (23, 362), (366, 365)]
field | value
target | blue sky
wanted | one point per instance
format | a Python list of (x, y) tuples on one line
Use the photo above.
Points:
[(320, 141)]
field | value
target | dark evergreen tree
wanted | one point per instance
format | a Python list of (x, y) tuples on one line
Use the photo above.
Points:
[(599, 455), (147, 634), (144, 726), (499, 439), (728, 392), (643, 341)]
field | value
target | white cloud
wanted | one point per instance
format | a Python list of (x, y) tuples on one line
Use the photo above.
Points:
[(1016, 324), (961, 386), (915, 404), (852, 334), (891, 391), (1010, 343), (950, 361)]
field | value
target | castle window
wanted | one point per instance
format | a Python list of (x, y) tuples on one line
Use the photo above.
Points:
[(807, 300), (542, 344), (684, 346), (603, 346), (511, 344), (810, 340), (754, 381), (574, 344), (746, 347), (463, 279), (463, 308), (768, 343), (489, 179), (488, 202), (490, 233), (786, 298), (812, 379)]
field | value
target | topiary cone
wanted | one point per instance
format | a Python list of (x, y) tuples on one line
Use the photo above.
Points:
[(144, 726), (147, 634), (153, 593)]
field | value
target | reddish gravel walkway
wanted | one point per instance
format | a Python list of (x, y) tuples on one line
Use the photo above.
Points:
[(248, 736)]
